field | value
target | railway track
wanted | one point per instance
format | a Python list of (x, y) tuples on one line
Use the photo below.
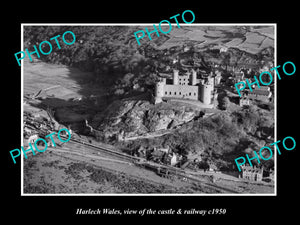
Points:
[(108, 169), (91, 156), (180, 173), (106, 150), (175, 172)]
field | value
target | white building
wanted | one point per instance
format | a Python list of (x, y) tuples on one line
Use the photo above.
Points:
[(186, 86)]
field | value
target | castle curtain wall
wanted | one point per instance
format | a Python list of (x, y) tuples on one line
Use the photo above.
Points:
[(181, 91)]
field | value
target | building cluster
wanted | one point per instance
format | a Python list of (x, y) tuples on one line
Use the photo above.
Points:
[(37, 126), (188, 87), (163, 155), (193, 86), (263, 93)]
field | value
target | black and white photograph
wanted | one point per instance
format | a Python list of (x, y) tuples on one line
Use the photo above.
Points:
[(152, 112), (132, 109)]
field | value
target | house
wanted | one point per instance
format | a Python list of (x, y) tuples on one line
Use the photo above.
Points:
[(263, 93), (32, 139), (272, 175), (244, 101), (251, 173), (158, 156), (223, 49), (173, 160), (239, 76)]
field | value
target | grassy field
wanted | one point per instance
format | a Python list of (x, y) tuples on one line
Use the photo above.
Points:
[(249, 39), (57, 174), (57, 81)]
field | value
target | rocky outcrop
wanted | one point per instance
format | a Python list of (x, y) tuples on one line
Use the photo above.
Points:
[(137, 117)]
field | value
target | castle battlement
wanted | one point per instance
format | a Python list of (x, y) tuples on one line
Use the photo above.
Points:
[(185, 86)]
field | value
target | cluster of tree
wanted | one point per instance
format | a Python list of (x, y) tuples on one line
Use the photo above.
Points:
[(110, 52), (113, 50), (94, 46), (237, 58), (219, 139)]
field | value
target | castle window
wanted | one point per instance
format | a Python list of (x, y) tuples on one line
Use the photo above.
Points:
[(179, 93), (170, 92), (175, 93), (190, 93), (194, 93), (166, 92)]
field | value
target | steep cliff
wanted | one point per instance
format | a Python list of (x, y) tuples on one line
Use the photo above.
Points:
[(131, 118)]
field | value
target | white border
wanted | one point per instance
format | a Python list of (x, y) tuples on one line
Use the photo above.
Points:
[(147, 24), (22, 109)]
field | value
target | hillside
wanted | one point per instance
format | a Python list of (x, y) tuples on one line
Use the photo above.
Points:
[(115, 95), (216, 139), (111, 52)]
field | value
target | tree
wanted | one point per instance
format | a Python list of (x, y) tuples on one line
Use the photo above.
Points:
[(225, 59), (225, 103)]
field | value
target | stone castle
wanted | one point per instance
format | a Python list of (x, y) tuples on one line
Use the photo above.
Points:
[(187, 87)]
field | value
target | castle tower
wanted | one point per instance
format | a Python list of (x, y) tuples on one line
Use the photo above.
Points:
[(159, 91), (194, 77), (218, 77), (211, 81), (206, 93), (175, 77)]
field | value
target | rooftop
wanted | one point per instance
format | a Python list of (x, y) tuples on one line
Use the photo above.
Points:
[(251, 169), (260, 92)]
